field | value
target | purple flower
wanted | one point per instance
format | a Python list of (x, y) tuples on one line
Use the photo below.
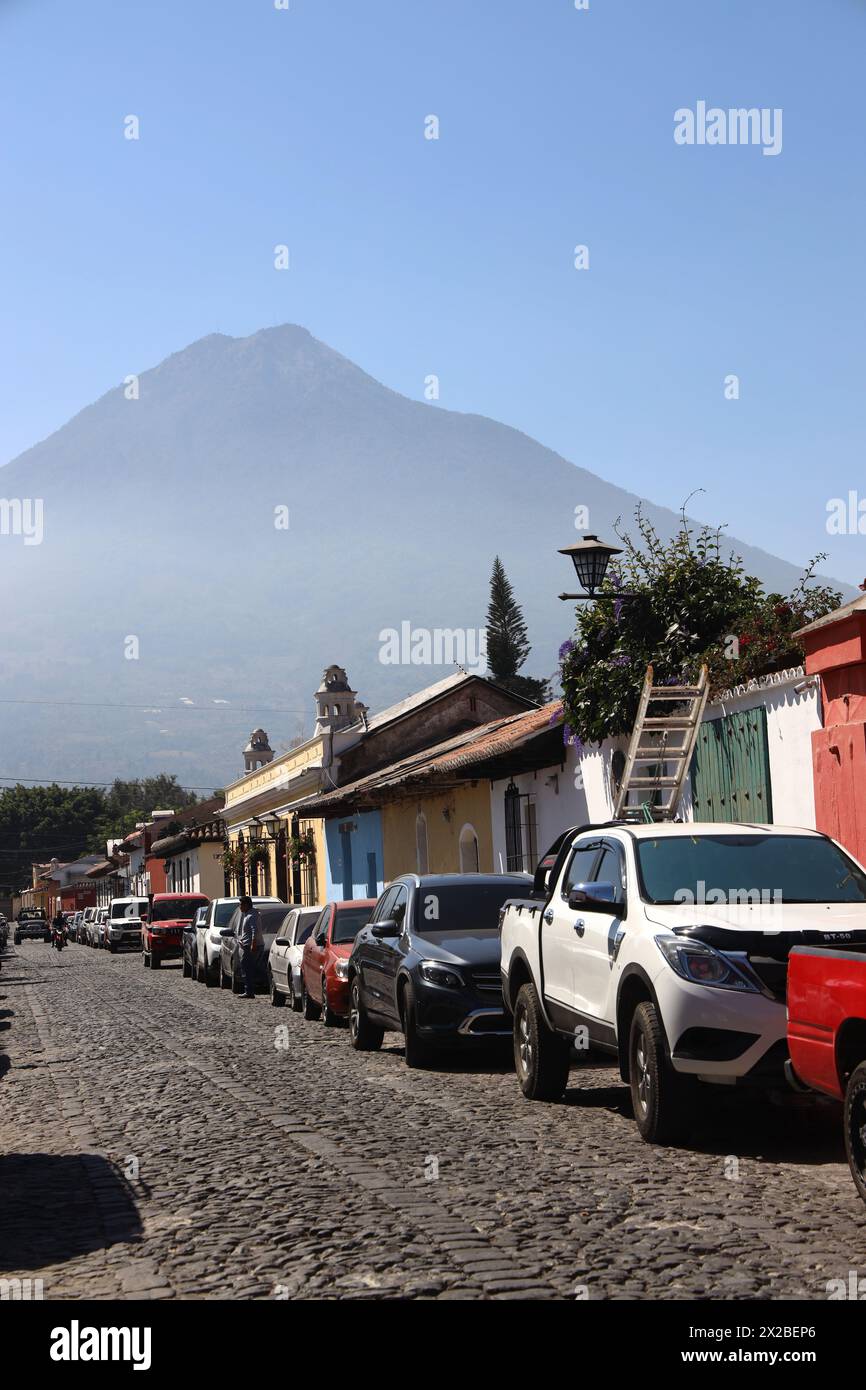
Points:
[(571, 737), (566, 649), (621, 661), (617, 609), (555, 716)]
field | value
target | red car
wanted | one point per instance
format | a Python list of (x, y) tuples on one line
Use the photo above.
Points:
[(827, 1036), (162, 927), (324, 972)]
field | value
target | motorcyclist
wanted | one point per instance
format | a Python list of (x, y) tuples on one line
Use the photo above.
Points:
[(58, 932)]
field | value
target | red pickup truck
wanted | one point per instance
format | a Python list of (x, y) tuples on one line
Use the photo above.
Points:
[(827, 1037), (162, 927)]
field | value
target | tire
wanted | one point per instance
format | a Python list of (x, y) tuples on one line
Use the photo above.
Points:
[(145, 960), (17, 939), (155, 962), (200, 973), (363, 1035), (659, 1097), (206, 976), (329, 1018), (297, 1000), (278, 999), (311, 1010), (185, 968), (541, 1057), (112, 950), (417, 1054), (855, 1127)]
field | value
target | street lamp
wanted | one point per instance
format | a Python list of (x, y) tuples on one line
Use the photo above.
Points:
[(591, 558), (273, 825)]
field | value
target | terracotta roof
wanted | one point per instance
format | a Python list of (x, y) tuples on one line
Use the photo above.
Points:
[(452, 760)]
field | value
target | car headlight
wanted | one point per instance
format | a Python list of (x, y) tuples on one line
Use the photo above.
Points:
[(214, 938), (436, 974), (341, 970), (701, 965)]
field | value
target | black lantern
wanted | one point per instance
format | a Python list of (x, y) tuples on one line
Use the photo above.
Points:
[(591, 558), (273, 825)]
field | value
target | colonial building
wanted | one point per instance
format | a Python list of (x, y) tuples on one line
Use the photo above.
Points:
[(193, 851)]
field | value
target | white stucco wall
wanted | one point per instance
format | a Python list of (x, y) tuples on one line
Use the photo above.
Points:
[(559, 802), (792, 715)]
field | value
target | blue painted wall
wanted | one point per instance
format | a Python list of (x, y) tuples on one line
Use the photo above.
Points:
[(355, 856)]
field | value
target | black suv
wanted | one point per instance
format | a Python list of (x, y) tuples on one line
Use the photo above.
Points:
[(427, 964), (31, 925)]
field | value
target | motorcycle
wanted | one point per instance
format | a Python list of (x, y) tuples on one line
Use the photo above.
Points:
[(58, 939)]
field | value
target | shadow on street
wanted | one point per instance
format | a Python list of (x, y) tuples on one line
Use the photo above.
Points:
[(55, 1207)]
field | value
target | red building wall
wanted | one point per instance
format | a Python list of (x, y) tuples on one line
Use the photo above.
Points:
[(837, 653)]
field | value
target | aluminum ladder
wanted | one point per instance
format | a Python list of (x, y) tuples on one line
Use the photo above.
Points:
[(660, 750)]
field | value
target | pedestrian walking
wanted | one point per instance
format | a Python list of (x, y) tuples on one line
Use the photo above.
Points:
[(251, 944)]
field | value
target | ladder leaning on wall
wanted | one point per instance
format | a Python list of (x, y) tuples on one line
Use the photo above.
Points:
[(660, 750)]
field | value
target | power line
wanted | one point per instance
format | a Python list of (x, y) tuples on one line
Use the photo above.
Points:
[(155, 708)]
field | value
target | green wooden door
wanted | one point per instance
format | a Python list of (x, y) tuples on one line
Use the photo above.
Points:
[(731, 769)]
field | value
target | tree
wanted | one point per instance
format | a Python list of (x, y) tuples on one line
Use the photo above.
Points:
[(508, 639), (692, 605)]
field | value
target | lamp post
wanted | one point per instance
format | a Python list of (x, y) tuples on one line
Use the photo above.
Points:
[(591, 558)]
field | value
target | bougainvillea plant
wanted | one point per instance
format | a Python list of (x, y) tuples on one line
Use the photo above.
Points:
[(689, 602)]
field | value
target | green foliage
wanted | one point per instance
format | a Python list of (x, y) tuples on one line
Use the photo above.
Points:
[(41, 823), (693, 605), (508, 640)]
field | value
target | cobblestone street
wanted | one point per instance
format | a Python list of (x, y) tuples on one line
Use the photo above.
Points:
[(156, 1143)]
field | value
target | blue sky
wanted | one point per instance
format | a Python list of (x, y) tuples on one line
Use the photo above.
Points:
[(454, 256)]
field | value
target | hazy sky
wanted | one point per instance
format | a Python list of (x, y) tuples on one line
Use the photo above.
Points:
[(455, 256)]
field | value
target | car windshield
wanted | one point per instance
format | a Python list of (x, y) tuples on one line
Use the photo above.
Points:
[(348, 922), (134, 909), (747, 869), (462, 906), (175, 909)]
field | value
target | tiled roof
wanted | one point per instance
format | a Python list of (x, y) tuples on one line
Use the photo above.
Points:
[(454, 758)]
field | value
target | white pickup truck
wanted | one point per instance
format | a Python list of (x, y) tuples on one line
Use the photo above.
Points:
[(667, 946)]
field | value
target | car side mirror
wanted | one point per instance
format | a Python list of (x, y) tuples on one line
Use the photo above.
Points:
[(227, 931), (386, 928), (282, 941), (595, 897)]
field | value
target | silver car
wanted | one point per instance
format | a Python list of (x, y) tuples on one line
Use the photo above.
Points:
[(284, 957), (208, 941)]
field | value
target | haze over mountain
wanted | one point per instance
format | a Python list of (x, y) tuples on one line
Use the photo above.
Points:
[(159, 523)]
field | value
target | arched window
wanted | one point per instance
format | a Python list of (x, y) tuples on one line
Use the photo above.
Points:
[(468, 850), (421, 845)]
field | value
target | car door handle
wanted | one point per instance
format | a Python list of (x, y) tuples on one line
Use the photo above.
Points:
[(580, 926), (548, 916)]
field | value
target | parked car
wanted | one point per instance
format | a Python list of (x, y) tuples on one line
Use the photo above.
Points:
[(89, 919), (80, 927), (208, 943), (31, 925), (827, 1036), (427, 964), (231, 976), (667, 946), (123, 928), (284, 958), (4, 933), (99, 928), (162, 926), (68, 918), (189, 944), (325, 960)]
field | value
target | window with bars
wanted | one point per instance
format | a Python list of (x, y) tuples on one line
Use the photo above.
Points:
[(521, 834)]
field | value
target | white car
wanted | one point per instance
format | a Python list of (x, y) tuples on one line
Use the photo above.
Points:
[(123, 928), (667, 945), (284, 958), (208, 940)]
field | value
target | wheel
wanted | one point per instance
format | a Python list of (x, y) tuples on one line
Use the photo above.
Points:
[(145, 960), (297, 999), (185, 969), (206, 976), (329, 1018), (17, 939), (541, 1057), (199, 973), (417, 1052), (155, 962), (363, 1035), (278, 999), (659, 1097), (855, 1127), (310, 1008), (112, 950)]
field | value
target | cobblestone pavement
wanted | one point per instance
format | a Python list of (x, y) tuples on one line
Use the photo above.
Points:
[(154, 1142)]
